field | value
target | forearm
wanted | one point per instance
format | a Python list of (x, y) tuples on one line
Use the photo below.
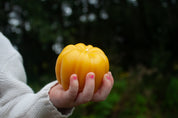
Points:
[(21, 102)]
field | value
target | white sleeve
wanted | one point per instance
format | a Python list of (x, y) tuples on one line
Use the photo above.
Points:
[(17, 100)]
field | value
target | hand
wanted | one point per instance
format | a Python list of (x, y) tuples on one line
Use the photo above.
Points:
[(70, 98)]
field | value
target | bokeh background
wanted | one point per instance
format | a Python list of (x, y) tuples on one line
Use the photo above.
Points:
[(138, 36)]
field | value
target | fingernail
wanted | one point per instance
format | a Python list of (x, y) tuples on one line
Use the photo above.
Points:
[(91, 76), (75, 77), (107, 76)]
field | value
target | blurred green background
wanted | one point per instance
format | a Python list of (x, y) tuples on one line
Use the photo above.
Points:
[(138, 36)]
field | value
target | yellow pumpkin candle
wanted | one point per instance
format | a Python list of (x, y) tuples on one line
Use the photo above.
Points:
[(80, 59)]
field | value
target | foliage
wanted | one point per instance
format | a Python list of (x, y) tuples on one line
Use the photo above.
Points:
[(138, 36)]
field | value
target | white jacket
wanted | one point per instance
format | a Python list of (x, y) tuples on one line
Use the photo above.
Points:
[(17, 99)]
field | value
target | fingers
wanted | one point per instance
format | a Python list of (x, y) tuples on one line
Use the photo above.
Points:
[(87, 94), (112, 80), (71, 93), (65, 99), (105, 89)]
